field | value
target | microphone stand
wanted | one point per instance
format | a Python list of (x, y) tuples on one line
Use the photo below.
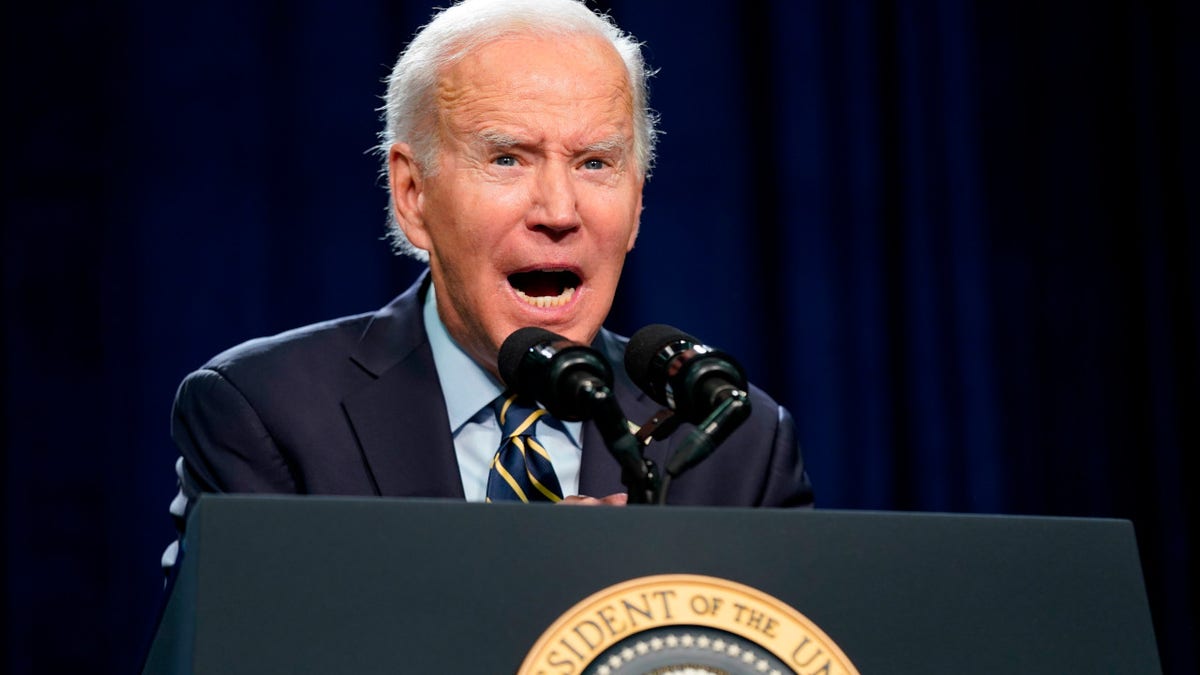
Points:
[(701, 443), (639, 475)]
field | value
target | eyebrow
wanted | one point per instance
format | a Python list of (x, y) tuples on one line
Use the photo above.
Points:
[(613, 143), (500, 139), (497, 139)]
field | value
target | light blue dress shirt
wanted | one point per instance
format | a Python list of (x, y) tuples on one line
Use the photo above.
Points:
[(469, 392)]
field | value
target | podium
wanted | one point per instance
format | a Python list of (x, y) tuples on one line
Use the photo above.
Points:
[(366, 585)]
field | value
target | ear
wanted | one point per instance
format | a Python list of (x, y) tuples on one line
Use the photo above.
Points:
[(637, 223), (404, 177)]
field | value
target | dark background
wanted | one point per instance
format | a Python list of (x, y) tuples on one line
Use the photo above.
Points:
[(960, 241)]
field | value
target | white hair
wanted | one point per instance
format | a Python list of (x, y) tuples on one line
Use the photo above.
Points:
[(409, 110)]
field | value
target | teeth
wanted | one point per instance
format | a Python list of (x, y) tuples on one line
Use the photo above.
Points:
[(547, 300)]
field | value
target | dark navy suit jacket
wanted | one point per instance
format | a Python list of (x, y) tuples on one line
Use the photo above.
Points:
[(353, 406)]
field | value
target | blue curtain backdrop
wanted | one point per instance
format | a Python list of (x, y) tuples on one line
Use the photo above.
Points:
[(959, 240)]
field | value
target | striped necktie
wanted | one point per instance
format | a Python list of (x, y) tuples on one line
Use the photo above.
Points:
[(521, 469)]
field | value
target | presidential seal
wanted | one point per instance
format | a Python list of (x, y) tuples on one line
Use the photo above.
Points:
[(683, 624)]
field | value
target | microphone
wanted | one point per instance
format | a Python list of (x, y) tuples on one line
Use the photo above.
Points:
[(681, 373), (706, 386), (564, 376)]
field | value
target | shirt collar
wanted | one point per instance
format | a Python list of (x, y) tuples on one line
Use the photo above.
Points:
[(467, 387)]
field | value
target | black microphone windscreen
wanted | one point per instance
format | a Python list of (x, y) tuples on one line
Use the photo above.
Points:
[(645, 344), (516, 346)]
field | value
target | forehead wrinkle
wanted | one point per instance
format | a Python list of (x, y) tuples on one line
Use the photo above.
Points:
[(455, 89), (489, 115)]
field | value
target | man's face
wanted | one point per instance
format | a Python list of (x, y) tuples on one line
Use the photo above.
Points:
[(536, 196)]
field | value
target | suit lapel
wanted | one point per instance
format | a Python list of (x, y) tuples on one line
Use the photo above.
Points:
[(403, 405), (401, 424)]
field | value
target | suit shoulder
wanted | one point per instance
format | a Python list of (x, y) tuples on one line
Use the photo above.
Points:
[(304, 346)]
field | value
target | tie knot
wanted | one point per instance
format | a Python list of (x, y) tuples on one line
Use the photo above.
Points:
[(517, 416)]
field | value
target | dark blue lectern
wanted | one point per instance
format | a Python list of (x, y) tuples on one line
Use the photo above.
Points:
[(339, 585)]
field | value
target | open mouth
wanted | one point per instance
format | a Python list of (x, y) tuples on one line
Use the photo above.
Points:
[(545, 288)]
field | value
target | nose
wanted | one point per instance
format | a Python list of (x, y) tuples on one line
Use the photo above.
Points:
[(554, 200)]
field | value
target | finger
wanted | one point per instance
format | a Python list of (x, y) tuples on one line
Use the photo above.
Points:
[(618, 499)]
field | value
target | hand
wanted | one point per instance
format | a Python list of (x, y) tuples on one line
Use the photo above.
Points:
[(617, 499)]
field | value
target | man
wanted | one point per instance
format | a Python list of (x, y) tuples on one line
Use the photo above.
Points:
[(517, 142)]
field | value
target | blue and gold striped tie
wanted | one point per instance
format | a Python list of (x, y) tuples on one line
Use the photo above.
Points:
[(521, 469)]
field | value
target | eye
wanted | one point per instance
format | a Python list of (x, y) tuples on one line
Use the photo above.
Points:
[(594, 164), (505, 160)]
